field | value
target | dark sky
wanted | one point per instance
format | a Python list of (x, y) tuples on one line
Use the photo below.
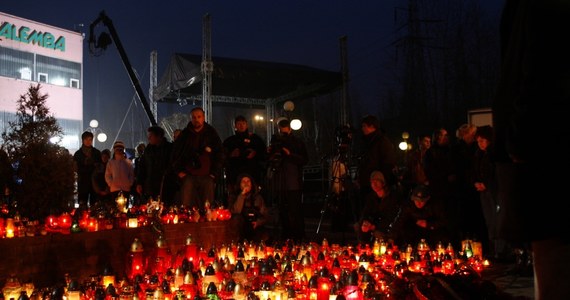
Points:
[(295, 31)]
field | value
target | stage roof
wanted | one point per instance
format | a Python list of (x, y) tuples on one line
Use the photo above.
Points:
[(241, 78)]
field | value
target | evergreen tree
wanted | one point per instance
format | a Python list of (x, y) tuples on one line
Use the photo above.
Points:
[(45, 171)]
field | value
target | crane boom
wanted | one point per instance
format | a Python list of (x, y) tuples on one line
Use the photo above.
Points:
[(103, 43)]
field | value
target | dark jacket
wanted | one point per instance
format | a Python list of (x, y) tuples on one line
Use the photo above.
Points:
[(245, 142), (483, 169), (86, 165), (247, 209), (382, 212), (533, 86), (6, 171), (153, 165), (198, 153), (378, 153), (407, 231), (251, 206), (287, 169)]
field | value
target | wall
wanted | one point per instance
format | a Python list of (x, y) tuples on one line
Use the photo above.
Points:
[(44, 260), (480, 117)]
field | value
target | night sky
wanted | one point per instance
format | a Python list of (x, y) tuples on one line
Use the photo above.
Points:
[(298, 32)]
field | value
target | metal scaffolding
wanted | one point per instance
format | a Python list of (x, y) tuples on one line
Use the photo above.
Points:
[(207, 67)]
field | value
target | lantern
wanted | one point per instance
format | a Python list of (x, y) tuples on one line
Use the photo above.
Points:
[(135, 265), (178, 278), (307, 266), (209, 279), (73, 295), (52, 222), (133, 222), (121, 203), (239, 275), (352, 290), (163, 258), (92, 224), (191, 249), (75, 227), (224, 214), (422, 247), (477, 249), (10, 229), (12, 288), (189, 288), (323, 285), (467, 248), (108, 277), (65, 222)]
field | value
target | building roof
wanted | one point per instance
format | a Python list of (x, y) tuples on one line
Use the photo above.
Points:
[(244, 79)]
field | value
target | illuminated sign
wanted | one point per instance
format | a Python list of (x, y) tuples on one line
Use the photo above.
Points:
[(26, 35)]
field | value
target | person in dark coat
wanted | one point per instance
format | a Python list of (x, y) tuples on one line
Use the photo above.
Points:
[(377, 154), (287, 156), (381, 208), (197, 160), (245, 153), (469, 216), (421, 218), (529, 113), (6, 173), (100, 185), (154, 178), (85, 159)]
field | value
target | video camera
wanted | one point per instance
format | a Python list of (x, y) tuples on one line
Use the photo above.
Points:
[(276, 151), (250, 214), (343, 136)]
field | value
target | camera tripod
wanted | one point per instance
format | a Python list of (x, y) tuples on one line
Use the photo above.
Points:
[(336, 198)]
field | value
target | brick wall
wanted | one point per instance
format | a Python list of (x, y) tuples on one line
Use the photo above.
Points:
[(44, 260)]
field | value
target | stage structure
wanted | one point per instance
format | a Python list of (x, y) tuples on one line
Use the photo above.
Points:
[(243, 82)]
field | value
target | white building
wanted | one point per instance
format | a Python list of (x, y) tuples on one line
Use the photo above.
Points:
[(31, 53)]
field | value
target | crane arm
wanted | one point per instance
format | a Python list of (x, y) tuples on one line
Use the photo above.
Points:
[(103, 41)]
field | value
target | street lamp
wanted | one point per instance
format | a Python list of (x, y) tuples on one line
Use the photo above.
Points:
[(289, 106), (404, 145), (296, 124), (99, 134)]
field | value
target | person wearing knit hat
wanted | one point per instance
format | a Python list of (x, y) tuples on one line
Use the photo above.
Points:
[(119, 174), (380, 210), (421, 218), (420, 193), (119, 144)]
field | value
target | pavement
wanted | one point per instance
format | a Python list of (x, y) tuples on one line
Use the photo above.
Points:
[(513, 281)]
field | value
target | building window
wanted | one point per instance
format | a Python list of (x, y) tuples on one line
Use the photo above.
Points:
[(60, 71), (74, 83), (42, 77), (25, 73), (16, 64), (27, 66)]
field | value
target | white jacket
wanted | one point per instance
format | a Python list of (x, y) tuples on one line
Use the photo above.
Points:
[(120, 175)]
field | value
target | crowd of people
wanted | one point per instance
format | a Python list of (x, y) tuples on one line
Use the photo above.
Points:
[(186, 171), (443, 191), (498, 184)]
